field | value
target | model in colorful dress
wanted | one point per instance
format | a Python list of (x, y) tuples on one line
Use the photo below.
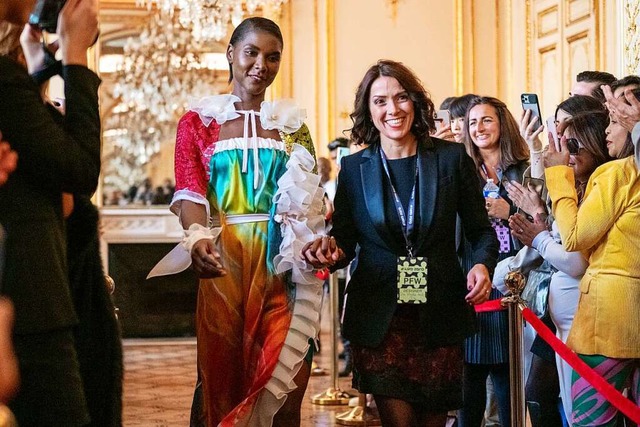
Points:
[(249, 198)]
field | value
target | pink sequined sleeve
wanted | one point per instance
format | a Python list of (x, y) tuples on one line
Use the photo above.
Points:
[(194, 146)]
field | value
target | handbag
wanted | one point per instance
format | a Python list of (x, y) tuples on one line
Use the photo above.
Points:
[(536, 291)]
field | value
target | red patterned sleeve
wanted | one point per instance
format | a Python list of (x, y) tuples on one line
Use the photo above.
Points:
[(194, 146)]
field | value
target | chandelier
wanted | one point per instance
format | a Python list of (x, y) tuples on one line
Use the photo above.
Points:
[(208, 19), (160, 73)]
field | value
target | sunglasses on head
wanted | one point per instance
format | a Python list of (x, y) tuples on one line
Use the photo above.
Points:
[(573, 146)]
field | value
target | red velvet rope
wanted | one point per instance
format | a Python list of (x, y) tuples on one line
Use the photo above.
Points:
[(493, 305), (600, 384)]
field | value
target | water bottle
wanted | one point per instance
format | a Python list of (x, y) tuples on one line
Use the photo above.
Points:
[(491, 190)]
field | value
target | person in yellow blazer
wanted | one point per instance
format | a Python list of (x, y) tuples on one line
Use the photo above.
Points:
[(606, 328)]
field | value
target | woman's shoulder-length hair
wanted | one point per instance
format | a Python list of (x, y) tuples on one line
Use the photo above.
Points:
[(513, 148), (363, 130)]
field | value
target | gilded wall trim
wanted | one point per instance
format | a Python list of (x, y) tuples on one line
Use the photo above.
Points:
[(631, 25), (574, 5), (331, 75), (543, 18)]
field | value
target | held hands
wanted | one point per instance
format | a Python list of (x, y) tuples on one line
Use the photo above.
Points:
[(497, 208), (553, 157), (78, 30), (525, 198), (206, 259), (525, 230), (625, 109), (322, 252), (479, 284)]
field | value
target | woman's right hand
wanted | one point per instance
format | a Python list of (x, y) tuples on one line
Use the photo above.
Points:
[(322, 252), (206, 259), (78, 30), (530, 130)]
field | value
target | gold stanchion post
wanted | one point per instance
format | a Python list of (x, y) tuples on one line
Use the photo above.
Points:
[(361, 415), (334, 395), (515, 281)]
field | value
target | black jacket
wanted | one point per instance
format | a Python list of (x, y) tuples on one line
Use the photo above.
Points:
[(447, 185)]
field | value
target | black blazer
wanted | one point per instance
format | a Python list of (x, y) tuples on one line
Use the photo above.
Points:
[(447, 184), (52, 158)]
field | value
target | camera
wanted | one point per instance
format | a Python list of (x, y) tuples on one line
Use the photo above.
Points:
[(45, 14)]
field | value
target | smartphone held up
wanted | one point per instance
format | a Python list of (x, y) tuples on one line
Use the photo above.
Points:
[(442, 119), (551, 128), (45, 14), (530, 102)]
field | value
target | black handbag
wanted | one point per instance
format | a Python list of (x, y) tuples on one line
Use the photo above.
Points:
[(536, 291)]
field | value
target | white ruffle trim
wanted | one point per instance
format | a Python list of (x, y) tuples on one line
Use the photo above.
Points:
[(305, 325), (282, 114), (299, 203), (217, 107)]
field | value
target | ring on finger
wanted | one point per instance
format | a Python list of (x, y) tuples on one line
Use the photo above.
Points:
[(520, 230)]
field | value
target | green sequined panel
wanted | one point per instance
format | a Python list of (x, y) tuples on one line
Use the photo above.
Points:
[(303, 137)]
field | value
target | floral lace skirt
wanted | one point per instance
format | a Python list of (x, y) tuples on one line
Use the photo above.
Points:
[(402, 367)]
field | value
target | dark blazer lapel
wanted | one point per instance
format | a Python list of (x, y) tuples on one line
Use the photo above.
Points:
[(428, 189), (372, 178)]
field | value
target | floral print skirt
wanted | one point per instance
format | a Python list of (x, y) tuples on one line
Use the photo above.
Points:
[(402, 367)]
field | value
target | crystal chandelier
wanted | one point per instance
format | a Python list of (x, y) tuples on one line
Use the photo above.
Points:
[(160, 73), (209, 19)]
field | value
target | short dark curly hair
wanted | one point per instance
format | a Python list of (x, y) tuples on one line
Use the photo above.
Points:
[(363, 130)]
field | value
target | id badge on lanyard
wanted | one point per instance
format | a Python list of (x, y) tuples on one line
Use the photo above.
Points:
[(412, 280), (411, 270)]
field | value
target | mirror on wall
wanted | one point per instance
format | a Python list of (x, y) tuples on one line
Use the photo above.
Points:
[(151, 68)]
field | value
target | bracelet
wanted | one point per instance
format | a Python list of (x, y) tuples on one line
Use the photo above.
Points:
[(540, 151)]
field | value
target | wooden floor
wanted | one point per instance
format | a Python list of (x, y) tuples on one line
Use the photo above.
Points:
[(160, 376)]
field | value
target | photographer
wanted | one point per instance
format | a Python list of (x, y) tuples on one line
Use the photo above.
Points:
[(56, 154)]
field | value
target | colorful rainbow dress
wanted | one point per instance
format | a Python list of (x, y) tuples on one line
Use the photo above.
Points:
[(254, 326)]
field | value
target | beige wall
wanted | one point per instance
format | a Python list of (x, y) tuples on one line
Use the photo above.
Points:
[(337, 40), (455, 47)]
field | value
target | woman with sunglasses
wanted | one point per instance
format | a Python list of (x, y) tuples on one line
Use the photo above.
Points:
[(584, 137), (604, 225)]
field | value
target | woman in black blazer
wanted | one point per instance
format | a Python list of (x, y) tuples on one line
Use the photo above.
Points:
[(397, 200)]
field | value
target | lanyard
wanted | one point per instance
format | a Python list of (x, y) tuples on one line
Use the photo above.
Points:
[(407, 220)]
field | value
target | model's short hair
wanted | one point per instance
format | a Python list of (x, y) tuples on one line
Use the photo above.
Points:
[(253, 25)]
